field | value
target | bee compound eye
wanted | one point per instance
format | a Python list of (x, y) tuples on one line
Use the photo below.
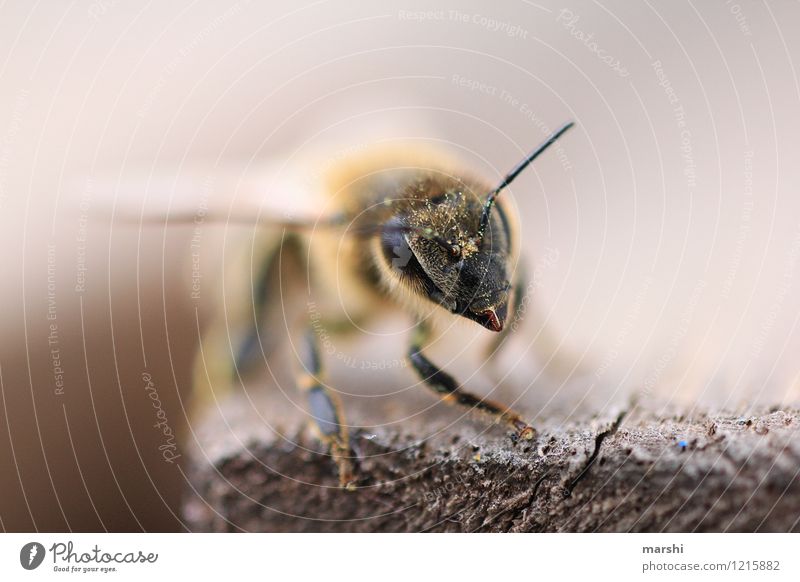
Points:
[(395, 249)]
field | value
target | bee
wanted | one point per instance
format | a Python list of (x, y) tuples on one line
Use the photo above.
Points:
[(413, 230)]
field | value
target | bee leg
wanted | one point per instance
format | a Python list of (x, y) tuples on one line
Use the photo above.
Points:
[(284, 263), (448, 389), (326, 409), (241, 335)]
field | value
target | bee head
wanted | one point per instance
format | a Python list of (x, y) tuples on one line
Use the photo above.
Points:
[(455, 248), (437, 250)]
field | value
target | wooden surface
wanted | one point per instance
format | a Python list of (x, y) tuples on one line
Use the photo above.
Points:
[(625, 471)]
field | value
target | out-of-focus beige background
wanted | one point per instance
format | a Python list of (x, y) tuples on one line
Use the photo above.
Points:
[(671, 214)]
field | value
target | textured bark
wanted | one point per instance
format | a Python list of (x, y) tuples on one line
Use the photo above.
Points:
[(628, 472)]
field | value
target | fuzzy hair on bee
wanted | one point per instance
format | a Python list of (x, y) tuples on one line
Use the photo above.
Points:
[(408, 229)]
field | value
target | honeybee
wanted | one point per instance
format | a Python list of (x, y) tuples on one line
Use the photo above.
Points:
[(413, 230)]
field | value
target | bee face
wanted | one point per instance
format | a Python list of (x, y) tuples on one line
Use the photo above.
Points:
[(482, 289), (448, 261)]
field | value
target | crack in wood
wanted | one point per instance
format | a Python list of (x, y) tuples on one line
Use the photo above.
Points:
[(598, 442)]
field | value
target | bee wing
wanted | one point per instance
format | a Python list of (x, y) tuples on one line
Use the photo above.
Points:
[(236, 195), (228, 225)]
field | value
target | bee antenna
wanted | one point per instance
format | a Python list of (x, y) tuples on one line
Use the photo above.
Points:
[(487, 207)]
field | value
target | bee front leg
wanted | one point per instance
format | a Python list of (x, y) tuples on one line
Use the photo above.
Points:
[(281, 272), (446, 387), (326, 409)]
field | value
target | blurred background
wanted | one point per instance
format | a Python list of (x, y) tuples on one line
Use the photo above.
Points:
[(663, 232)]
